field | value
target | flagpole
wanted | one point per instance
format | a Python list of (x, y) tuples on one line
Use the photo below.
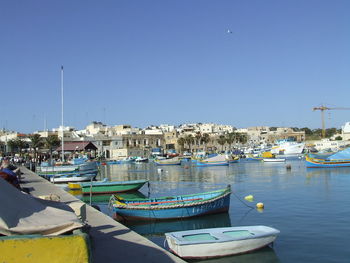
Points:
[(62, 140)]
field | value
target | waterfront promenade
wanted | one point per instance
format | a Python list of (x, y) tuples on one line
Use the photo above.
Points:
[(110, 240)]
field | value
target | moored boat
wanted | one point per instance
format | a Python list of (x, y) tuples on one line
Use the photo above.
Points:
[(174, 207), (108, 187), (218, 160), (72, 177), (326, 163), (172, 161), (219, 242), (274, 160)]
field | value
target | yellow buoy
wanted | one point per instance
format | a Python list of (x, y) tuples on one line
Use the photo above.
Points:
[(249, 198), (260, 205)]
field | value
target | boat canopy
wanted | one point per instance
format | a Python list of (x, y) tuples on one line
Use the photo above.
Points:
[(344, 154), (23, 214)]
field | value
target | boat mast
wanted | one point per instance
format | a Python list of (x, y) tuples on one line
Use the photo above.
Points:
[(62, 140)]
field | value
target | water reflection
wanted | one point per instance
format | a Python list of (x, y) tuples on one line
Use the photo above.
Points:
[(300, 202), (158, 228), (265, 255)]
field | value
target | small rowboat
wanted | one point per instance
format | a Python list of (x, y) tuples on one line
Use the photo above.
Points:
[(173, 161), (108, 187), (174, 207), (219, 242)]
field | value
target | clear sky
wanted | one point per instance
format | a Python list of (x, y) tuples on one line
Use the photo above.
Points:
[(160, 61)]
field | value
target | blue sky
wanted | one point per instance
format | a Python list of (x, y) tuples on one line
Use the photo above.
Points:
[(152, 62)]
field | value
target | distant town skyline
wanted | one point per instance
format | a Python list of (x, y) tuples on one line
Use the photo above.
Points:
[(240, 63)]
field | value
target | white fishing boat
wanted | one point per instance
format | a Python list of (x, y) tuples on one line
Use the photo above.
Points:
[(219, 242), (75, 177), (288, 147), (274, 160)]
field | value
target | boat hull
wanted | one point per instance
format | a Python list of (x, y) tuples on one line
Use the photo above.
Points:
[(182, 207), (274, 160), (226, 249), (224, 163), (111, 187), (323, 163), (217, 242), (73, 178)]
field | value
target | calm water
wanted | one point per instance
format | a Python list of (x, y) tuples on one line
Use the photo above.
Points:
[(308, 206)]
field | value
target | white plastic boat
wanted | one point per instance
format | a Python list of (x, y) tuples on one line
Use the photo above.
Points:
[(219, 242), (274, 160)]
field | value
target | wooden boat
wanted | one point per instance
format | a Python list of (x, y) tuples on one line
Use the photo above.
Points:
[(174, 207), (219, 242), (274, 160), (326, 163), (108, 187), (172, 161)]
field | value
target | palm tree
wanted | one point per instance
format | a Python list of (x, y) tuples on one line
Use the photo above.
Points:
[(181, 141), (230, 138), (198, 137), (205, 139), (242, 138), (12, 144), (36, 143), (20, 145), (221, 140), (189, 140), (51, 142)]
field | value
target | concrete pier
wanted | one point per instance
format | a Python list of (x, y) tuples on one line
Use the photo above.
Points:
[(110, 240)]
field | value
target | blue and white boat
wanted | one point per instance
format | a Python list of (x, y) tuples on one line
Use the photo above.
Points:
[(220, 242), (174, 207)]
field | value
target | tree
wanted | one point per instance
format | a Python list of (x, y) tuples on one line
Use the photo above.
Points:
[(36, 143), (51, 142), (242, 138), (306, 130), (21, 144), (330, 132), (221, 140), (338, 138), (12, 144), (230, 139), (189, 140), (205, 139), (181, 141), (198, 137)]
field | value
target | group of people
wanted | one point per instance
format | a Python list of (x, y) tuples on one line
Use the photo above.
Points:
[(10, 172)]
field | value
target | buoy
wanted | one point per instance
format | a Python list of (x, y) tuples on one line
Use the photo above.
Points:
[(260, 205), (249, 198)]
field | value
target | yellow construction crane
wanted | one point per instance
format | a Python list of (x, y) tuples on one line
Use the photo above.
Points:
[(322, 108)]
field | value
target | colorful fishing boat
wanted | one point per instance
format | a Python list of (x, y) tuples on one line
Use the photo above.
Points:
[(108, 187), (219, 242), (174, 207), (326, 163)]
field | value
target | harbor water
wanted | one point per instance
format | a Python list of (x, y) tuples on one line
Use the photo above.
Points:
[(308, 206)]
